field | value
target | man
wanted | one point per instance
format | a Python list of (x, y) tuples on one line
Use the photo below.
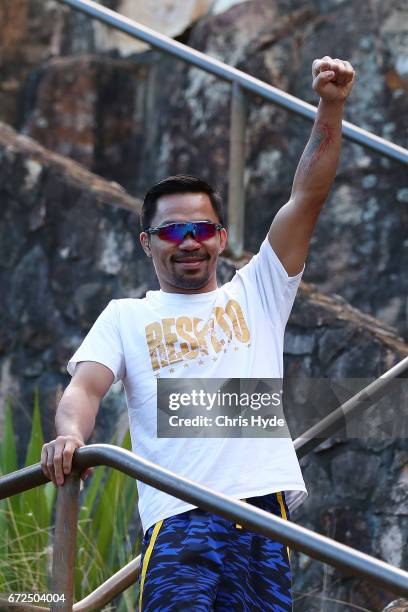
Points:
[(191, 559)]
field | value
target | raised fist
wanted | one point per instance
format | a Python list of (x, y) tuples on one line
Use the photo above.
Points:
[(332, 78)]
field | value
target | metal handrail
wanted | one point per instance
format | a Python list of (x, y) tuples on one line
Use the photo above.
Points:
[(304, 444), (305, 540), (31, 476), (315, 435), (116, 584), (233, 75)]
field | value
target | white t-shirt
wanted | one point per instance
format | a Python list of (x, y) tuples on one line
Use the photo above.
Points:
[(235, 331)]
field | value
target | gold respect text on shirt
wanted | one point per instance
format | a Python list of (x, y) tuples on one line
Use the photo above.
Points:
[(172, 340)]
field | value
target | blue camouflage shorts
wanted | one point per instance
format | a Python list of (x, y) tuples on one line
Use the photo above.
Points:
[(198, 561)]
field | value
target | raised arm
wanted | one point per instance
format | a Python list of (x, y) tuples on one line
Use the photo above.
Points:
[(75, 418), (293, 225)]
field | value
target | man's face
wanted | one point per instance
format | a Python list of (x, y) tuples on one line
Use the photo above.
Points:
[(188, 267)]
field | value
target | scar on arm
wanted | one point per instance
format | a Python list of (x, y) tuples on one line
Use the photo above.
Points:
[(320, 141)]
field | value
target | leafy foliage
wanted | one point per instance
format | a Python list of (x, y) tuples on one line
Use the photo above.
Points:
[(107, 504)]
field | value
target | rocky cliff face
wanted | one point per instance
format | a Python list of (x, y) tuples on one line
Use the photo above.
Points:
[(68, 243), (359, 249), (126, 119), (52, 232), (33, 31), (68, 238)]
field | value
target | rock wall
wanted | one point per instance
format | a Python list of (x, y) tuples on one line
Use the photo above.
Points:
[(68, 238), (168, 17), (33, 31), (358, 486), (69, 244), (136, 119), (93, 110), (359, 249), (59, 221)]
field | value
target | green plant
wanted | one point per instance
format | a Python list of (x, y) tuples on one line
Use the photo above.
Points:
[(107, 504), (24, 518)]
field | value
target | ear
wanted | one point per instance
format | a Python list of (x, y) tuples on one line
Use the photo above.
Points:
[(223, 240), (144, 241)]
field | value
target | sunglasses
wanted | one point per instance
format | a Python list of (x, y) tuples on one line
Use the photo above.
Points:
[(176, 232)]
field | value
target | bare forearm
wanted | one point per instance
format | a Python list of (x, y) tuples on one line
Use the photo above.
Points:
[(293, 225), (75, 418), (317, 167), (76, 413)]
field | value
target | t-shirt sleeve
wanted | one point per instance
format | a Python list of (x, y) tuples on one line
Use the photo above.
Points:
[(103, 344), (275, 289)]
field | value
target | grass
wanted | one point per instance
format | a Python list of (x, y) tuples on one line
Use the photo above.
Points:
[(26, 523)]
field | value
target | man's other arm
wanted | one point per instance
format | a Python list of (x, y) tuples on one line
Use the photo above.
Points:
[(293, 225), (75, 418)]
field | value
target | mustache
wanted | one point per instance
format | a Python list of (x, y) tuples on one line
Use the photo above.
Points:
[(191, 257)]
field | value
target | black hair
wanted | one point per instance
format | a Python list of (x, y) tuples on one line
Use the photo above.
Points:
[(180, 183)]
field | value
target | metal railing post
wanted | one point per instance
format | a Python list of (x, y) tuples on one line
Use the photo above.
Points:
[(236, 190), (63, 562)]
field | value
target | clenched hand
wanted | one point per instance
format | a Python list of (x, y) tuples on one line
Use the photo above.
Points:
[(332, 78)]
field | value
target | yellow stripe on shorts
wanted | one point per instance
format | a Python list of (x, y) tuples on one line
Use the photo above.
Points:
[(283, 513), (237, 525), (146, 560)]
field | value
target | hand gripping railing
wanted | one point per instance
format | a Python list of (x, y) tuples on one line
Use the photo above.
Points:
[(241, 83), (295, 536)]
